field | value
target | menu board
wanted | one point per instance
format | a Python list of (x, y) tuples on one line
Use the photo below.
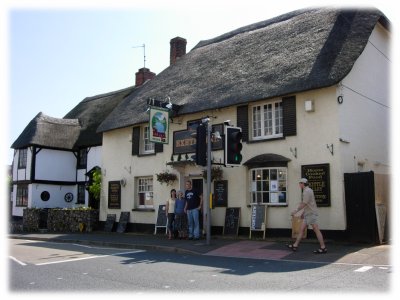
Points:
[(114, 194), (318, 179), (232, 217), (108, 226), (221, 193), (123, 221)]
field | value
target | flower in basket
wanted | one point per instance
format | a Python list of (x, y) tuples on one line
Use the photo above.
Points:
[(216, 174), (166, 177)]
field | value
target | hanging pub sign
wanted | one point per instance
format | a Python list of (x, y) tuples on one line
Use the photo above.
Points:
[(159, 125), (318, 180)]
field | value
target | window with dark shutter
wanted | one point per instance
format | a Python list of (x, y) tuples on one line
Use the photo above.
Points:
[(135, 141), (243, 121), (289, 116)]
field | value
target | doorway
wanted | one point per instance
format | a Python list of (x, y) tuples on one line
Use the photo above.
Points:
[(197, 185), (360, 207)]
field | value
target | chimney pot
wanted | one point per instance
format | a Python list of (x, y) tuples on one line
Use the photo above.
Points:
[(178, 49), (142, 75)]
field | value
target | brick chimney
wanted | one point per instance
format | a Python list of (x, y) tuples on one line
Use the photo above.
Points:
[(178, 49), (142, 75)]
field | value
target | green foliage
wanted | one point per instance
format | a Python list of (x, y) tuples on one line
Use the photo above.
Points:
[(166, 177), (95, 186)]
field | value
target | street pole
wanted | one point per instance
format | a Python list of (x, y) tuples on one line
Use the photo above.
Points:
[(208, 183)]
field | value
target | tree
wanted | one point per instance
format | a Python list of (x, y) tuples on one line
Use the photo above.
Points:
[(95, 185)]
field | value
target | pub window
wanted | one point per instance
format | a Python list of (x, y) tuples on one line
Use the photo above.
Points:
[(22, 158), (268, 186), (81, 194), (22, 196), (82, 160), (267, 120), (148, 147), (145, 192)]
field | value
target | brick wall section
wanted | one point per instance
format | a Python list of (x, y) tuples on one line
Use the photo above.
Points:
[(178, 49), (142, 75)]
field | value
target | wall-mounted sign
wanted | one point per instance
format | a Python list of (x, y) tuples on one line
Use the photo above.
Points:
[(221, 193), (159, 125), (319, 182), (185, 140), (114, 194)]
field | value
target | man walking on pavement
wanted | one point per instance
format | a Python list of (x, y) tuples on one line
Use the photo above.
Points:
[(310, 217), (192, 208)]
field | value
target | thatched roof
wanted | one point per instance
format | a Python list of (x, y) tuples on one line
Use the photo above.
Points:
[(299, 51), (91, 112), (78, 127), (47, 131)]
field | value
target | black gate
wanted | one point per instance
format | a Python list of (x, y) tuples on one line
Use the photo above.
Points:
[(360, 207)]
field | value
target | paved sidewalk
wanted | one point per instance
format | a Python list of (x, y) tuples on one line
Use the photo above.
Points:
[(241, 247)]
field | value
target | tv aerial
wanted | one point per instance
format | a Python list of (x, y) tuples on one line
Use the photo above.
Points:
[(144, 53)]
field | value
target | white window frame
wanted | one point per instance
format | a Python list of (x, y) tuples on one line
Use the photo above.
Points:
[(22, 195), (268, 186), (22, 158), (267, 120), (145, 192), (147, 146)]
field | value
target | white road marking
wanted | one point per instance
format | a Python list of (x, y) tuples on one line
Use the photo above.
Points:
[(17, 261), (363, 269), (89, 257)]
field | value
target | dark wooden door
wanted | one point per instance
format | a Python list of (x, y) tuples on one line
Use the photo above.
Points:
[(360, 207)]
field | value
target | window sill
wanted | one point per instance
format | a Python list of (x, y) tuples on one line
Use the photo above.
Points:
[(270, 204), (146, 154), (266, 140), (144, 209)]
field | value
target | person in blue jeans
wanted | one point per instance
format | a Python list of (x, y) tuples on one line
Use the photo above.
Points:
[(192, 208), (180, 215)]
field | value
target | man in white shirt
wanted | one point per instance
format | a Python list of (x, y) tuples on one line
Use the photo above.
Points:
[(310, 217)]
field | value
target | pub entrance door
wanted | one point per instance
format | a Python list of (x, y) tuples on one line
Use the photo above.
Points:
[(197, 185)]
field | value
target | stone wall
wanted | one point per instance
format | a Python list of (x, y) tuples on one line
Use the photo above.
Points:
[(60, 220)]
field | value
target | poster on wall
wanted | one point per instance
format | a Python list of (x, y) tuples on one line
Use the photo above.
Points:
[(318, 179), (159, 125), (221, 193)]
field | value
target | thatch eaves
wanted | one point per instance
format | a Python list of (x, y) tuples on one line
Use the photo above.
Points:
[(91, 112), (77, 129), (299, 51), (49, 132)]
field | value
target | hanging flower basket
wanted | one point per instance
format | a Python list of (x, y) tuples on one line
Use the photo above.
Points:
[(166, 177), (216, 173)]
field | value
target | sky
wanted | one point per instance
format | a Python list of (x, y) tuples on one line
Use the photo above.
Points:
[(56, 55)]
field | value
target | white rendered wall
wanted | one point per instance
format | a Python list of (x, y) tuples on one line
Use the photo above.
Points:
[(364, 115), (55, 165)]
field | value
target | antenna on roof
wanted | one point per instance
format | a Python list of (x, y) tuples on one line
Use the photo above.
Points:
[(144, 53)]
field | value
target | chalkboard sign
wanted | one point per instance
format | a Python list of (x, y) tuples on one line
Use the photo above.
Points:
[(108, 227), (232, 218), (318, 180), (161, 218), (221, 193), (123, 221), (258, 218)]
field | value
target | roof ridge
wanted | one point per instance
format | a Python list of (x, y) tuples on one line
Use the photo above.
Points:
[(254, 26), (91, 98)]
